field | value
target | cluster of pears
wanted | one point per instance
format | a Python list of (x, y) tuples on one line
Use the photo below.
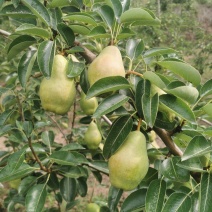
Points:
[(57, 93), (129, 164)]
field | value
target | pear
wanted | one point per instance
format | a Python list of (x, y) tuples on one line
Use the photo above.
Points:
[(108, 63), (88, 106), (57, 94), (129, 164), (92, 136), (92, 207)]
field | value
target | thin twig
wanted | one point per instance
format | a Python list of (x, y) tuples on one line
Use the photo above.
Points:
[(135, 73), (107, 120)]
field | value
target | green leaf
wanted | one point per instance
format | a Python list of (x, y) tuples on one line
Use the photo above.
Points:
[(151, 175), (125, 33), (74, 69), (198, 146), (138, 96), (80, 29), (67, 158), (155, 196), (60, 3), (205, 193), (26, 184), (150, 108), (99, 165), (72, 172), (82, 186), (30, 29), (45, 57), (117, 134), (4, 116), (208, 109), (22, 171), (16, 3), (67, 33), (125, 4), (72, 146), (206, 89), (36, 197), (154, 78), (107, 84), (192, 164), (47, 138), (25, 66), (80, 17), (107, 15), (98, 32), (6, 128), (158, 52), (19, 12), (117, 8), (39, 10), (68, 189), (177, 106), (135, 201), (138, 16), (182, 69), (186, 93), (114, 197), (177, 202), (110, 104), (134, 48), (19, 44), (173, 172)]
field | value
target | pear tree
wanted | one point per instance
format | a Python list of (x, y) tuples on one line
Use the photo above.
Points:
[(136, 115)]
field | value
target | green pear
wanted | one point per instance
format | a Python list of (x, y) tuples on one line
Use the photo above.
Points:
[(57, 94), (92, 136), (92, 207), (88, 106), (129, 164), (108, 63)]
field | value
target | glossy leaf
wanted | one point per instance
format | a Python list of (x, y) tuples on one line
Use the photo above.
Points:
[(107, 84), (117, 8), (82, 186), (155, 196), (99, 165), (45, 57), (72, 172), (205, 193), (117, 134), (208, 109), (154, 79), (192, 164), (134, 48), (25, 67), (72, 146), (107, 15), (67, 33), (158, 52), (19, 44), (182, 69), (6, 128), (125, 4), (47, 138), (151, 175), (36, 197), (141, 16), (39, 10), (198, 146), (178, 107), (61, 3), (126, 33), (67, 158), (68, 189), (206, 89), (150, 108), (138, 96), (110, 104), (30, 29), (135, 201), (80, 17), (186, 93), (173, 172), (98, 32), (74, 69), (114, 197), (26, 184), (19, 12), (22, 171), (177, 202), (4, 116), (80, 29)]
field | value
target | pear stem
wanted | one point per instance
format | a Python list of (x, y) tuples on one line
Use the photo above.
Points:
[(139, 124), (135, 73)]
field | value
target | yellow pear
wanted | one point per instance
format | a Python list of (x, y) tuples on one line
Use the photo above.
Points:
[(92, 207), (108, 63), (57, 94), (129, 165), (88, 106), (93, 136)]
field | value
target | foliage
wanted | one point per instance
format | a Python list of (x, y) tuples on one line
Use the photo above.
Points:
[(160, 92)]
